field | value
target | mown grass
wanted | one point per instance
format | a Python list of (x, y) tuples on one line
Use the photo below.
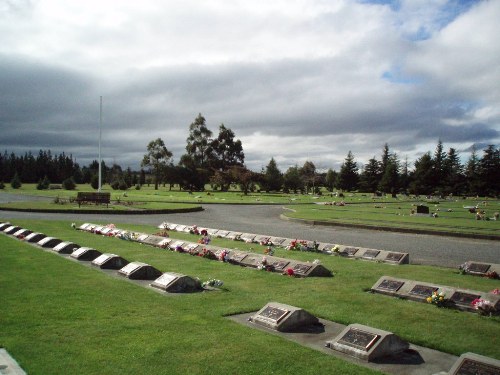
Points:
[(59, 317), (451, 217)]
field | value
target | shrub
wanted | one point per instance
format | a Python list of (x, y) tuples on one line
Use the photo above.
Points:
[(15, 182), (115, 185), (69, 184), (94, 181), (2, 185), (137, 187), (122, 185)]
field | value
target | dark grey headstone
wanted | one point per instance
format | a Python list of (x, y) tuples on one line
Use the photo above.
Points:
[(139, 271), (283, 318), (110, 261), (85, 253), (177, 283)]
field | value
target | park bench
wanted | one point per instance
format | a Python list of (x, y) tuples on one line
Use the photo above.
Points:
[(97, 198)]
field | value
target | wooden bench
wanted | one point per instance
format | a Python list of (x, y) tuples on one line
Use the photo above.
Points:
[(93, 197)]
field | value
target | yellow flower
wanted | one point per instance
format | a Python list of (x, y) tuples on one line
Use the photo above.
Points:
[(429, 299)]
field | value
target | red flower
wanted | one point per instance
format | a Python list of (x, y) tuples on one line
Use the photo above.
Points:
[(290, 272)]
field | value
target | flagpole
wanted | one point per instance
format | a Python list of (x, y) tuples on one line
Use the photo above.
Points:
[(100, 126)]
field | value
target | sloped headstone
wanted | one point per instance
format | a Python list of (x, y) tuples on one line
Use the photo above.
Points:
[(423, 210), (11, 229), (277, 241), (367, 343), (85, 253), (306, 269), (247, 237), (475, 364), (172, 282), (174, 245), (22, 233), (65, 247), (164, 243), (4, 225), (110, 261), (222, 233), (35, 237), (283, 318), (350, 251), (395, 257), (180, 228), (261, 239), (153, 240), (370, 254), (139, 271), (234, 236), (84, 226), (480, 268), (49, 242), (237, 257)]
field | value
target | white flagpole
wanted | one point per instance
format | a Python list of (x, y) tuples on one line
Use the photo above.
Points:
[(100, 126)]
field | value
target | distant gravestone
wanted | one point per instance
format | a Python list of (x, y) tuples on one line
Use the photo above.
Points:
[(49, 242), (110, 261), (367, 343), (4, 225), (85, 254), (172, 282), (277, 241), (350, 251), (65, 247), (236, 257), (84, 226), (475, 364), (22, 232), (280, 265), (420, 292), (421, 209), (463, 299), (283, 318), (247, 237), (164, 243), (35, 237), (139, 271), (12, 229), (222, 233), (370, 254), (389, 286), (234, 235), (286, 242), (153, 240), (309, 269), (174, 245)]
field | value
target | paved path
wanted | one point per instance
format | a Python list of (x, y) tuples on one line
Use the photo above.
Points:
[(423, 249)]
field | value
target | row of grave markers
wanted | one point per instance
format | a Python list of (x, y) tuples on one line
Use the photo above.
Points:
[(169, 281), (361, 341), (391, 257), (419, 291), (241, 258)]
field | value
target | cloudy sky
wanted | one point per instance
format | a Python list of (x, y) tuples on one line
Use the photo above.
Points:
[(295, 80)]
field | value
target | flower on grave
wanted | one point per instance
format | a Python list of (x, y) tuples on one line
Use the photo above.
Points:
[(179, 249), (269, 251), (336, 249), (20, 237), (492, 275), (214, 283), (495, 291), (222, 256), (205, 240), (437, 299), (205, 253), (265, 266), (266, 242), (194, 230), (463, 268), (73, 225), (162, 233), (204, 232), (290, 272), (484, 307)]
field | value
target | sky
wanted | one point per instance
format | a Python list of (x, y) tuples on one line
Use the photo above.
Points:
[(295, 80)]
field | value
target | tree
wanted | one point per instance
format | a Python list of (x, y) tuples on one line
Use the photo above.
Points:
[(292, 180), (438, 167), (389, 181), (423, 175), (472, 173), (272, 177), (157, 158), (453, 179), (369, 178), (489, 171), (242, 176), (330, 178), (69, 184), (308, 175), (199, 143), (226, 151), (347, 178)]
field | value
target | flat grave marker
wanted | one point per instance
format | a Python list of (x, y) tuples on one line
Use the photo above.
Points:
[(370, 254), (172, 282), (35, 237), (65, 247), (139, 271), (110, 261), (475, 364), (247, 237), (389, 286), (350, 251), (85, 254), (463, 299), (49, 242)]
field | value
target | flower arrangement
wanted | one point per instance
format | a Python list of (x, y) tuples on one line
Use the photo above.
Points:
[(437, 299), (222, 255), (336, 249), (204, 232), (297, 245), (265, 266), (492, 275), (205, 240), (214, 283), (495, 291), (484, 307), (205, 253), (194, 230), (266, 242), (269, 251), (289, 272), (73, 225), (463, 268), (162, 233), (179, 249)]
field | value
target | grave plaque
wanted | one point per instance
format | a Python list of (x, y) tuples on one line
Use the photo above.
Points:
[(176, 244), (478, 268), (475, 364), (110, 261), (301, 268), (286, 242), (65, 247), (153, 240), (164, 243), (390, 285), (423, 291), (142, 237), (85, 253), (171, 226), (176, 283), (370, 254), (274, 314), (359, 339), (277, 241), (281, 317), (463, 299), (191, 246), (212, 232), (367, 343), (280, 265), (260, 239), (237, 257), (139, 271), (247, 237), (49, 242), (222, 233), (4, 225), (84, 226), (394, 257), (180, 228), (35, 237), (11, 229), (350, 251), (234, 235), (22, 232)]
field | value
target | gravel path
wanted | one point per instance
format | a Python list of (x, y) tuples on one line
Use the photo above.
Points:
[(423, 249)]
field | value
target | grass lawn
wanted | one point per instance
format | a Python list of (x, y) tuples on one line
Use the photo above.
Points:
[(59, 317)]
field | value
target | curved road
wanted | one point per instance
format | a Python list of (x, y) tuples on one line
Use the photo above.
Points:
[(423, 249)]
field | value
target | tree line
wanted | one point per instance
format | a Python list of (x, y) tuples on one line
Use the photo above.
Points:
[(220, 161)]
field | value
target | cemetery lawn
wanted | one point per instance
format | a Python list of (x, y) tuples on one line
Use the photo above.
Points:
[(452, 217), (61, 317), (73, 206)]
